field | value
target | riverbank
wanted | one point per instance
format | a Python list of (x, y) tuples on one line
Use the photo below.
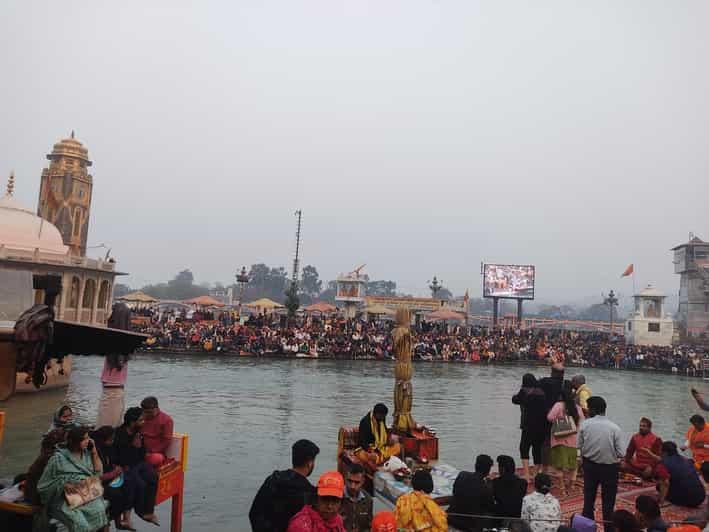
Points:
[(327, 356)]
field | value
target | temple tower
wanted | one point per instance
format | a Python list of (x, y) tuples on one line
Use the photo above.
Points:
[(65, 193)]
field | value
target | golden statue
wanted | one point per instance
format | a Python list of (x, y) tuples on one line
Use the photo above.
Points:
[(403, 391)]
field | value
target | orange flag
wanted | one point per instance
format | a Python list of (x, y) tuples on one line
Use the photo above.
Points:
[(628, 271)]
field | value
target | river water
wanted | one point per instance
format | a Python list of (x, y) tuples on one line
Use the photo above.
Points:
[(242, 415)]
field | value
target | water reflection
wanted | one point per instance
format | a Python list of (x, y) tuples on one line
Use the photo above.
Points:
[(243, 414)]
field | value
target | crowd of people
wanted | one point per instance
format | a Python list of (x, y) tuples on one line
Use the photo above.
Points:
[(272, 335), (85, 477), (563, 424)]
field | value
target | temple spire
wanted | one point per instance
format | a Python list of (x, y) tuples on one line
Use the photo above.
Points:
[(11, 183)]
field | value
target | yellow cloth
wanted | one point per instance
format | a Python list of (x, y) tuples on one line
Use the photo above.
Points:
[(417, 511), (379, 430), (583, 393)]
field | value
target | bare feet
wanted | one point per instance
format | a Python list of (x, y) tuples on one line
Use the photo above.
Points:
[(150, 518)]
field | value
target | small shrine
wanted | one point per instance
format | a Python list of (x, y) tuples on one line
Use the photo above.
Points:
[(351, 289), (648, 324)]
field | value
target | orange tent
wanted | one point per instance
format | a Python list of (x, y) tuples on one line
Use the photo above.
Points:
[(320, 306), (204, 301)]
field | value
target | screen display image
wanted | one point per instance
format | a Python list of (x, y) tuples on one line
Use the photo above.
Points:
[(508, 280)]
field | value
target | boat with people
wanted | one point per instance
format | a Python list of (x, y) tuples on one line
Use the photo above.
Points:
[(392, 455)]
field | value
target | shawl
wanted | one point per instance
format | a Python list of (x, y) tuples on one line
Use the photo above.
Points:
[(64, 467), (417, 511), (309, 520)]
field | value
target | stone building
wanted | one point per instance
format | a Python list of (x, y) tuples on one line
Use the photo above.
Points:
[(65, 193), (691, 262), (29, 244), (649, 324)]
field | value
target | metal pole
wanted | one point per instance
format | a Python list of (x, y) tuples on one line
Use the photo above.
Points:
[(519, 314)]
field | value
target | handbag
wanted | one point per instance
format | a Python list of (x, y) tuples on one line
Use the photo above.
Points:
[(82, 492), (563, 426)]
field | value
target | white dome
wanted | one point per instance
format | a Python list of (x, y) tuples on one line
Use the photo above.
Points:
[(21, 229)]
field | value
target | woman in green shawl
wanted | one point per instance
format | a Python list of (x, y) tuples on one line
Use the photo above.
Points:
[(71, 464)]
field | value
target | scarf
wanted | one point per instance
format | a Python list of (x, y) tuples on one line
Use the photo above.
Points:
[(379, 431)]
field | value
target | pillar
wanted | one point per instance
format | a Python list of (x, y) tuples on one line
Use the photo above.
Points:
[(80, 301), (94, 303), (495, 310), (519, 313)]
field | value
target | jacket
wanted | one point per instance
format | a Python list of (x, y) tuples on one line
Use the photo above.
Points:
[(308, 520), (472, 495), (282, 495), (357, 515)]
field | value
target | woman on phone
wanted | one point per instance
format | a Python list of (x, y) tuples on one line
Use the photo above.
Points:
[(64, 474)]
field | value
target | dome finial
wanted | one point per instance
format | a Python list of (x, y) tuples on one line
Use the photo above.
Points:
[(11, 183), (72, 133)]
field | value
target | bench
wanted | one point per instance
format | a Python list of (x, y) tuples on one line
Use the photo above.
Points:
[(17, 516)]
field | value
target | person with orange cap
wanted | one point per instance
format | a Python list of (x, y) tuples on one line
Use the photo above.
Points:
[(384, 522), (324, 516)]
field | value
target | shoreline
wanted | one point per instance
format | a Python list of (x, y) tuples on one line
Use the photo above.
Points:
[(281, 356)]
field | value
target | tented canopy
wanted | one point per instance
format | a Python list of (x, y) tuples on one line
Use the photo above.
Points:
[(204, 301), (265, 304), (138, 297), (445, 314), (378, 309), (321, 307)]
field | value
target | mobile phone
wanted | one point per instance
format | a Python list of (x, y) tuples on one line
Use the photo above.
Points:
[(90, 446)]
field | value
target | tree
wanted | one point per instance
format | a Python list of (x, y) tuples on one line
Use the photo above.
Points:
[(181, 287), (444, 293), (310, 284), (120, 289), (381, 288), (266, 282), (292, 301), (328, 295)]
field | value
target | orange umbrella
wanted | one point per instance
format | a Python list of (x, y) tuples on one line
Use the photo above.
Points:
[(204, 301), (320, 306)]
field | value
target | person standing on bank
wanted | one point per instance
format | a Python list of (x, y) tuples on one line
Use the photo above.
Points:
[(599, 440), (114, 374)]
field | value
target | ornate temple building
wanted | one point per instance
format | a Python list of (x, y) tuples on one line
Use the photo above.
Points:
[(53, 241), (65, 193)]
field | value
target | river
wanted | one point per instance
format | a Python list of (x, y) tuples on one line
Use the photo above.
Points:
[(242, 415)]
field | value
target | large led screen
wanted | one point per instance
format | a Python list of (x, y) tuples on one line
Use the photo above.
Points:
[(508, 280)]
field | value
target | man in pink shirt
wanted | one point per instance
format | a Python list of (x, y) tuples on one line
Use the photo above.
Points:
[(157, 431)]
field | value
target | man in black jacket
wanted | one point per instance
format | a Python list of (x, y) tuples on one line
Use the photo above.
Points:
[(508, 489), (473, 495), (284, 493)]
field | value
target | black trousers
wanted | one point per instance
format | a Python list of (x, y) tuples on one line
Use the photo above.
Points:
[(143, 485), (535, 440), (605, 475)]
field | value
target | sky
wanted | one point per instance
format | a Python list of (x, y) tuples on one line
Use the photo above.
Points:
[(418, 137)]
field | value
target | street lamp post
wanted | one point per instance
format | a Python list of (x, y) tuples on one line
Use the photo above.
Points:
[(435, 286), (242, 279), (611, 301)]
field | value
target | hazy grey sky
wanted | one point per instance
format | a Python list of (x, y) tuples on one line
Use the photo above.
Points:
[(419, 137)]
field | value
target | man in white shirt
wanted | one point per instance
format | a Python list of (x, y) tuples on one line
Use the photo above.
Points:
[(599, 441)]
